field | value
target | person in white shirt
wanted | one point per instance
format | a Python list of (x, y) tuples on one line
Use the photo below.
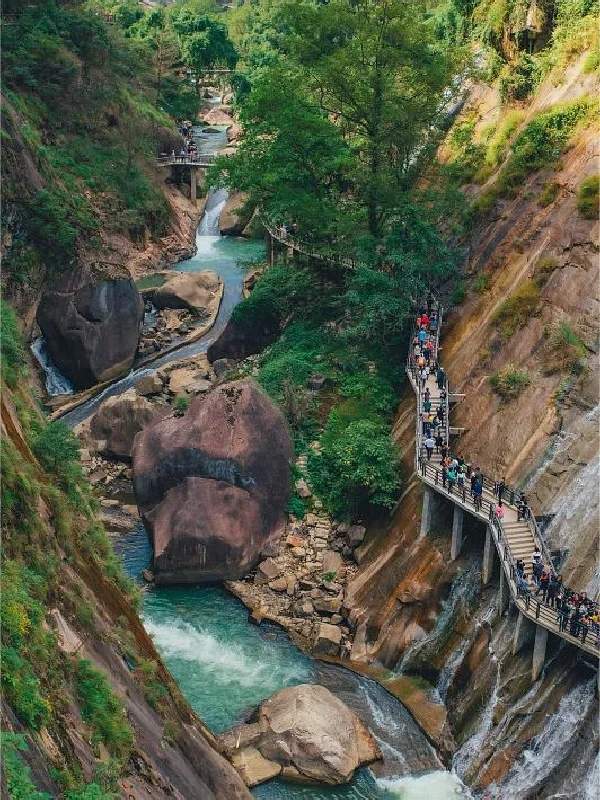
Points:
[(424, 376), (429, 445)]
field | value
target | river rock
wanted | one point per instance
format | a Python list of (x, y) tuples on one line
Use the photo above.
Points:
[(356, 533), (327, 641), (221, 115), (234, 217), (212, 485), (199, 292), (242, 338), (91, 321), (119, 419), (149, 385), (187, 379), (311, 734)]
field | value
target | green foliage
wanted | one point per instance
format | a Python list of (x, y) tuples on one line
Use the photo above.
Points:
[(509, 382), (154, 690), (278, 292), (549, 193), (92, 791), (515, 311), (27, 648), (518, 79), (544, 268), (102, 710), (357, 468), (588, 197), (565, 350), (542, 141), (481, 284), (16, 772), (57, 449), (459, 293), (497, 144), (329, 576), (12, 348), (466, 156), (181, 404), (296, 506)]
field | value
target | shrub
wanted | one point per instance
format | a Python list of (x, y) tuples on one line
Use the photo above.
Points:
[(564, 350), (481, 284), (588, 197), (517, 309), (518, 79), (154, 690), (181, 404), (544, 267), (498, 142), (296, 506), (15, 771), (102, 710), (357, 468), (509, 382), (12, 349), (458, 293), (57, 450), (549, 193), (542, 141)]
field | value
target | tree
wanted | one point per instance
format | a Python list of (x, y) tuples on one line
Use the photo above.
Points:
[(205, 43), (292, 160), (376, 67)]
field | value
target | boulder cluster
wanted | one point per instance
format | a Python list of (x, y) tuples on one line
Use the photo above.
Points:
[(302, 584)]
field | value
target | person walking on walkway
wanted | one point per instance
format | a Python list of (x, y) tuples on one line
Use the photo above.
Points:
[(429, 445), (439, 440), (477, 490), (522, 507), (501, 488), (441, 378), (424, 376), (451, 476), (554, 587)]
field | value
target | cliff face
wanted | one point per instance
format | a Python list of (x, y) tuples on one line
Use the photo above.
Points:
[(86, 687), (424, 615)]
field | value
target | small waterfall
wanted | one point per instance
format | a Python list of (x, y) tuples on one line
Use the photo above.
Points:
[(472, 747), (591, 789), (561, 734), (215, 203), (56, 383)]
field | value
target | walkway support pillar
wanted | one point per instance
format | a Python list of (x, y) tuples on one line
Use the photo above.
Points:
[(503, 592), (489, 551), (193, 184), (524, 631), (457, 530), (539, 651), (427, 511)]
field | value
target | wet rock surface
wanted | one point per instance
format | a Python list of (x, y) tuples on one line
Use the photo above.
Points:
[(119, 419), (303, 733), (212, 485)]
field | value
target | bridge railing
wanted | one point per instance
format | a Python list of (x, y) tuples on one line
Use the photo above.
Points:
[(202, 160), (485, 509)]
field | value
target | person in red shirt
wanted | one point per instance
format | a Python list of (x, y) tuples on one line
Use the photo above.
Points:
[(424, 320)]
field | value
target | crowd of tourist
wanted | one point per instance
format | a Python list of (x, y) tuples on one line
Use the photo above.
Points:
[(576, 612), (190, 148)]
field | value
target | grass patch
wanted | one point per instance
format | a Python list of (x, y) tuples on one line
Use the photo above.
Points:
[(12, 349), (549, 193), (542, 141), (516, 311), (150, 282), (509, 382), (101, 709), (544, 268), (481, 284), (588, 197), (565, 350)]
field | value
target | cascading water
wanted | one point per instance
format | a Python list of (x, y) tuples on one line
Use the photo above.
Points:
[(56, 383), (215, 203), (561, 732)]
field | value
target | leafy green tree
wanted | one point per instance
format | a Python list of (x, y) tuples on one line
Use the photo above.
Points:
[(205, 42), (292, 159), (376, 66), (57, 449)]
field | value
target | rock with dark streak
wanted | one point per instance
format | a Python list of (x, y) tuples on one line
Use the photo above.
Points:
[(212, 485)]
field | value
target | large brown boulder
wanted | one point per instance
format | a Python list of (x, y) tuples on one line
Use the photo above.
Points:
[(119, 419), (91, 322), (199, 292), (303, 733), (235, 215), (212, 485)]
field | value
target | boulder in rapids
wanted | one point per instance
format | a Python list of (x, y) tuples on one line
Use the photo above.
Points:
[(91, 322), (212, 485), (119, 419), (199, 292), (308, 733)]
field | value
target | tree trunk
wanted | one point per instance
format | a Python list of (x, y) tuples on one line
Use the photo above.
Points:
[(375, 157)]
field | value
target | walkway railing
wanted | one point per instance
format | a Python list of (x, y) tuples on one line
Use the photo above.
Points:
[(484, 509), (201, 160)]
